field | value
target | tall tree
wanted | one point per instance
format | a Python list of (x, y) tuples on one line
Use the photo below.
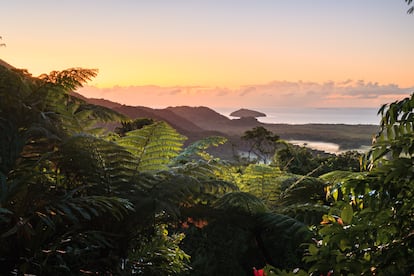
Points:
[(261, 143)]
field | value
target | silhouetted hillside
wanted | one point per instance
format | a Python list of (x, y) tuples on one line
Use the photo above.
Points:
[(176, 121), (201, 116), (5, 64), (105, 103)]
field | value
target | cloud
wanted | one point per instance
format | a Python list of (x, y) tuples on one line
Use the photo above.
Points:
[(247, 91), (348, 93), (175, 92)]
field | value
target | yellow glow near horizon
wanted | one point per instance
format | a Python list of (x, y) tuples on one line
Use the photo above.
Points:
[(227, 44)]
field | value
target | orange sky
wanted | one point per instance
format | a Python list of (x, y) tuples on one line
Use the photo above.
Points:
[(222, 47)]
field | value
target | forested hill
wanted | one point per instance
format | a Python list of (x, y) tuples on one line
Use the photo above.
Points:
[(198, 122)]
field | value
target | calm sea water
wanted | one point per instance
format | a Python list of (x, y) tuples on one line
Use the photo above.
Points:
[(285, 115)]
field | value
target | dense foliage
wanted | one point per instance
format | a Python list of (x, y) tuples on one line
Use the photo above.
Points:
[(76, 199)]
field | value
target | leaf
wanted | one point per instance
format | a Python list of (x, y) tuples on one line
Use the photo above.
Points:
[(347, 214), (313, 250)]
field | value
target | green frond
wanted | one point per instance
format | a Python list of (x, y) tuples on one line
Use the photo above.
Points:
[(284, 227), (75, 116), (308, 213), (335, 181), (303, 190), (197, 149), (281, 238), (88, 159), (76, 209), (69, 79), (262, 181), (154, 146), (101, 113), (201, 169), (173, 191), (11, 145), (241, 202), (195, 161), (340, 176), (13, 87)]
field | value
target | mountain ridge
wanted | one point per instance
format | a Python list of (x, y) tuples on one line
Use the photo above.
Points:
[(200, 122)]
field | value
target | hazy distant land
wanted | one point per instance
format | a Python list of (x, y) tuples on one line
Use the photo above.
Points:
[(199, 122)]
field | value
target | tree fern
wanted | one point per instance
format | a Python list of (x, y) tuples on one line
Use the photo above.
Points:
[(40, 202)]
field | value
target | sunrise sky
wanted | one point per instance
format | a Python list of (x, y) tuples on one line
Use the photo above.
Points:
[(220, 53)]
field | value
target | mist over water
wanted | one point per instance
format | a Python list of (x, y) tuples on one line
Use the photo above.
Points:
[(285, 115)]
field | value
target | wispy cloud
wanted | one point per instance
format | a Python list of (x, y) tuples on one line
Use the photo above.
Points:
[(348, 93)]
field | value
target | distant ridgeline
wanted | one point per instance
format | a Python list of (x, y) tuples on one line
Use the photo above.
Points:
[(199, 122)]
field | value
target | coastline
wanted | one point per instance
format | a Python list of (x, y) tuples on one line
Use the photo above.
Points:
[(285, 115)]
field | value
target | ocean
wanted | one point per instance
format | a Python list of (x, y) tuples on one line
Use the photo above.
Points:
[(284, 115)]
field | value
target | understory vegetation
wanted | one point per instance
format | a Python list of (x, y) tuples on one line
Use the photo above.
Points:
[(76, 199)]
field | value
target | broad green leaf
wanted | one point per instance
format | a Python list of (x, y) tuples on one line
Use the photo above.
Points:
[(347, 214)]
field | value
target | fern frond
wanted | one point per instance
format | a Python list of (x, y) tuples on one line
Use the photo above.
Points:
[(173, 191), (202, 169), (307, 213), (87, 159), (154, 146), (195, 161), (242, 202), (303, 190), (261, 181), (11, 145), (335, 183), (198, 149), (76, 209), (340, 176), (284, 227), (281, 238), (69, 79)]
